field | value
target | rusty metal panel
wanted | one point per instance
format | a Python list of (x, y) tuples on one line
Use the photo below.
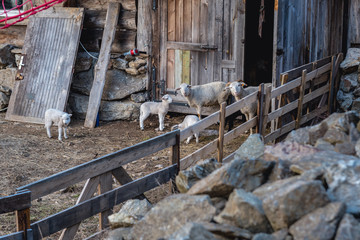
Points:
[(49, 53)]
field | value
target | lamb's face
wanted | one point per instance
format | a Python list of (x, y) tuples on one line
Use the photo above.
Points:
[(185, 89), (66, 118), (167, 98)]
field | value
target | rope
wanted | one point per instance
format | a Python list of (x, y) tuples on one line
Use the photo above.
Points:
[(87, 51)]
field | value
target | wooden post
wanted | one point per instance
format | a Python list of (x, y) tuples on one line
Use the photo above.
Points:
[(266, 109), (96, 92), (283, 79), (23, 221), (337, 78), (308, 105), (105, 185), (260, 108), (331, 86), (175, 158), (301, 97), (220, 143)]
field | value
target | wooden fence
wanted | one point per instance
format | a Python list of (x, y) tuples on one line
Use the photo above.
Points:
[(313, 83)]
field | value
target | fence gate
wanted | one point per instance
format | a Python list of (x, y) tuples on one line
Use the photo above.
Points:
[(202, 42), (48, 56)]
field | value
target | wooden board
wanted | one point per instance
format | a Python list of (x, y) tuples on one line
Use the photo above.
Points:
[(51, 42), (101, 67)]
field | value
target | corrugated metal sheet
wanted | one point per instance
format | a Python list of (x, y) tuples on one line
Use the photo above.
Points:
[(50, 48)]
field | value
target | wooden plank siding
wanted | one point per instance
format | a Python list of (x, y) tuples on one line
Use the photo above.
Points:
[(305, 32)]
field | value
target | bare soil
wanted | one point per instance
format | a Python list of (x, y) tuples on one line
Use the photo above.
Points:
[(28, 155)]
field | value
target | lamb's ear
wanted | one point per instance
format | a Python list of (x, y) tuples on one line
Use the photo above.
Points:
[(189, 86), (228, 84)]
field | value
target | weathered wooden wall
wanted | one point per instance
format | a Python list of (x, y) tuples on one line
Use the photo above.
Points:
[(354, 23), (307, 31)]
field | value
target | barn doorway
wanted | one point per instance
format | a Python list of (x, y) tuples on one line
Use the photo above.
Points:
[(258, 50)]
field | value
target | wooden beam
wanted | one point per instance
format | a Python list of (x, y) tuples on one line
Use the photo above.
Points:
[(23, 221), (220, 142), (18, 201), (104, 187), (300, 100), (95, 205), (101, 66), (98, 166), (266, 108), (260, 108)]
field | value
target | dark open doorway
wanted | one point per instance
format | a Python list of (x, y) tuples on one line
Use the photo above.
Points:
[(258, 50)]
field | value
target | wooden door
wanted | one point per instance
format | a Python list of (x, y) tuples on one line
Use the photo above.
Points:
[(49, 53), (202, 41)]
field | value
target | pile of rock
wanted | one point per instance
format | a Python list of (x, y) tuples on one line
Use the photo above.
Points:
[(291, 191), (348, 95), (124, 90), (7, 73)]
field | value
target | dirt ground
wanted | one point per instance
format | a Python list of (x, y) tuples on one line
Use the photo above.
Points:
[(28, 155)]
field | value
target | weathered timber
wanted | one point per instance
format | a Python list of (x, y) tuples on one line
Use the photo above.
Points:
[(86, 209), (15, 202), (240, 129), (300, 100), (112, 16), (99, 166), (220, 143)]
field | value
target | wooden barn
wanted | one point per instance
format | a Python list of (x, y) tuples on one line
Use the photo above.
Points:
[(201, 41)]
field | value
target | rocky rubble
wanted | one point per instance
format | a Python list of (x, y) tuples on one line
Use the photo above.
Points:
[(302, 188), (348, 95)]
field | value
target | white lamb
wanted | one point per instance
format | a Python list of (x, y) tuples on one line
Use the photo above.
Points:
[(160, 108), (189, 120), (204, 95), (62, 119)]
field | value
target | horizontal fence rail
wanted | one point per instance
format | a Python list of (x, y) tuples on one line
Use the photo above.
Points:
[(305, 93)]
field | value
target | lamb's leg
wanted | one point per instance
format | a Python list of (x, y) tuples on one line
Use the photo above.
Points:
[(143, 117), (48, 126), (199, 112), (65, 133), (197, 137), (60, 130), (161, 121), (189, 139), (251, 117)]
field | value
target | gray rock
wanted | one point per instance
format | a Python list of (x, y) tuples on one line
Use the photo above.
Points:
[(292, 201), (343, 179), (119, 63), (351, 61), (84, 62), (324, 145), (4, 100), (300, 136), (142, 70), (227, 231), (356, 105), (219, 203), (119, 110), (345, 148), (109, 110), (130, 213), (344, 99), (349, 228), (252, 148), (118, 84), (192, 231), (7, 77), (244, 210), (356, 92), (357, 148), (139, 97), (281, 170), (349, 82), (263, 236), (235, 174), (120, 234), (7, 59), (132, 71), (187, 178), (171, 214), (320, 224), (335, 135)]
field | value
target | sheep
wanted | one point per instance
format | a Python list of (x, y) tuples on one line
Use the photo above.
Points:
[(160, 108), (238, 91), (62, 119), (188, 121), (204, 95)]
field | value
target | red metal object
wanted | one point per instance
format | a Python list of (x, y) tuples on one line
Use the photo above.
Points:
[(132, 52), (17, 15)]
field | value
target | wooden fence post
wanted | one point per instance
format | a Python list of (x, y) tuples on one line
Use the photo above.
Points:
[(260, 108), (105, 185), (331, 86), (220, 143), (301, 98), (339, 59), (175, 158), (23, 221), (281, 103), (266, 108)]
